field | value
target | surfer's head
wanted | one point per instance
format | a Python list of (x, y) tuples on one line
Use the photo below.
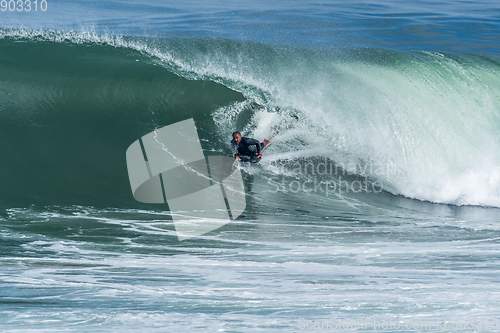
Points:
[(237, 137)]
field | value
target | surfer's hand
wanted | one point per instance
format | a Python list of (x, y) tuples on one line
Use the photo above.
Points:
[(260, 156), (237, 157)]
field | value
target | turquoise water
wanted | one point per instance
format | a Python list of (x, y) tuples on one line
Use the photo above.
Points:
[(377, 201)]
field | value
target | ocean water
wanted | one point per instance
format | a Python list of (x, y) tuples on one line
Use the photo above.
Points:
[(376, 207)]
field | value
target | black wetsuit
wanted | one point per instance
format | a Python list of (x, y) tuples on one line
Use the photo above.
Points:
[(246, 147)]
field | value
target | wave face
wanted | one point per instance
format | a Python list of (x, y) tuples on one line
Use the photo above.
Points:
[(71, 104)]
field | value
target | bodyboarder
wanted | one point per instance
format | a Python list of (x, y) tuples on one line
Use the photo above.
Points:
[(247, 148)]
